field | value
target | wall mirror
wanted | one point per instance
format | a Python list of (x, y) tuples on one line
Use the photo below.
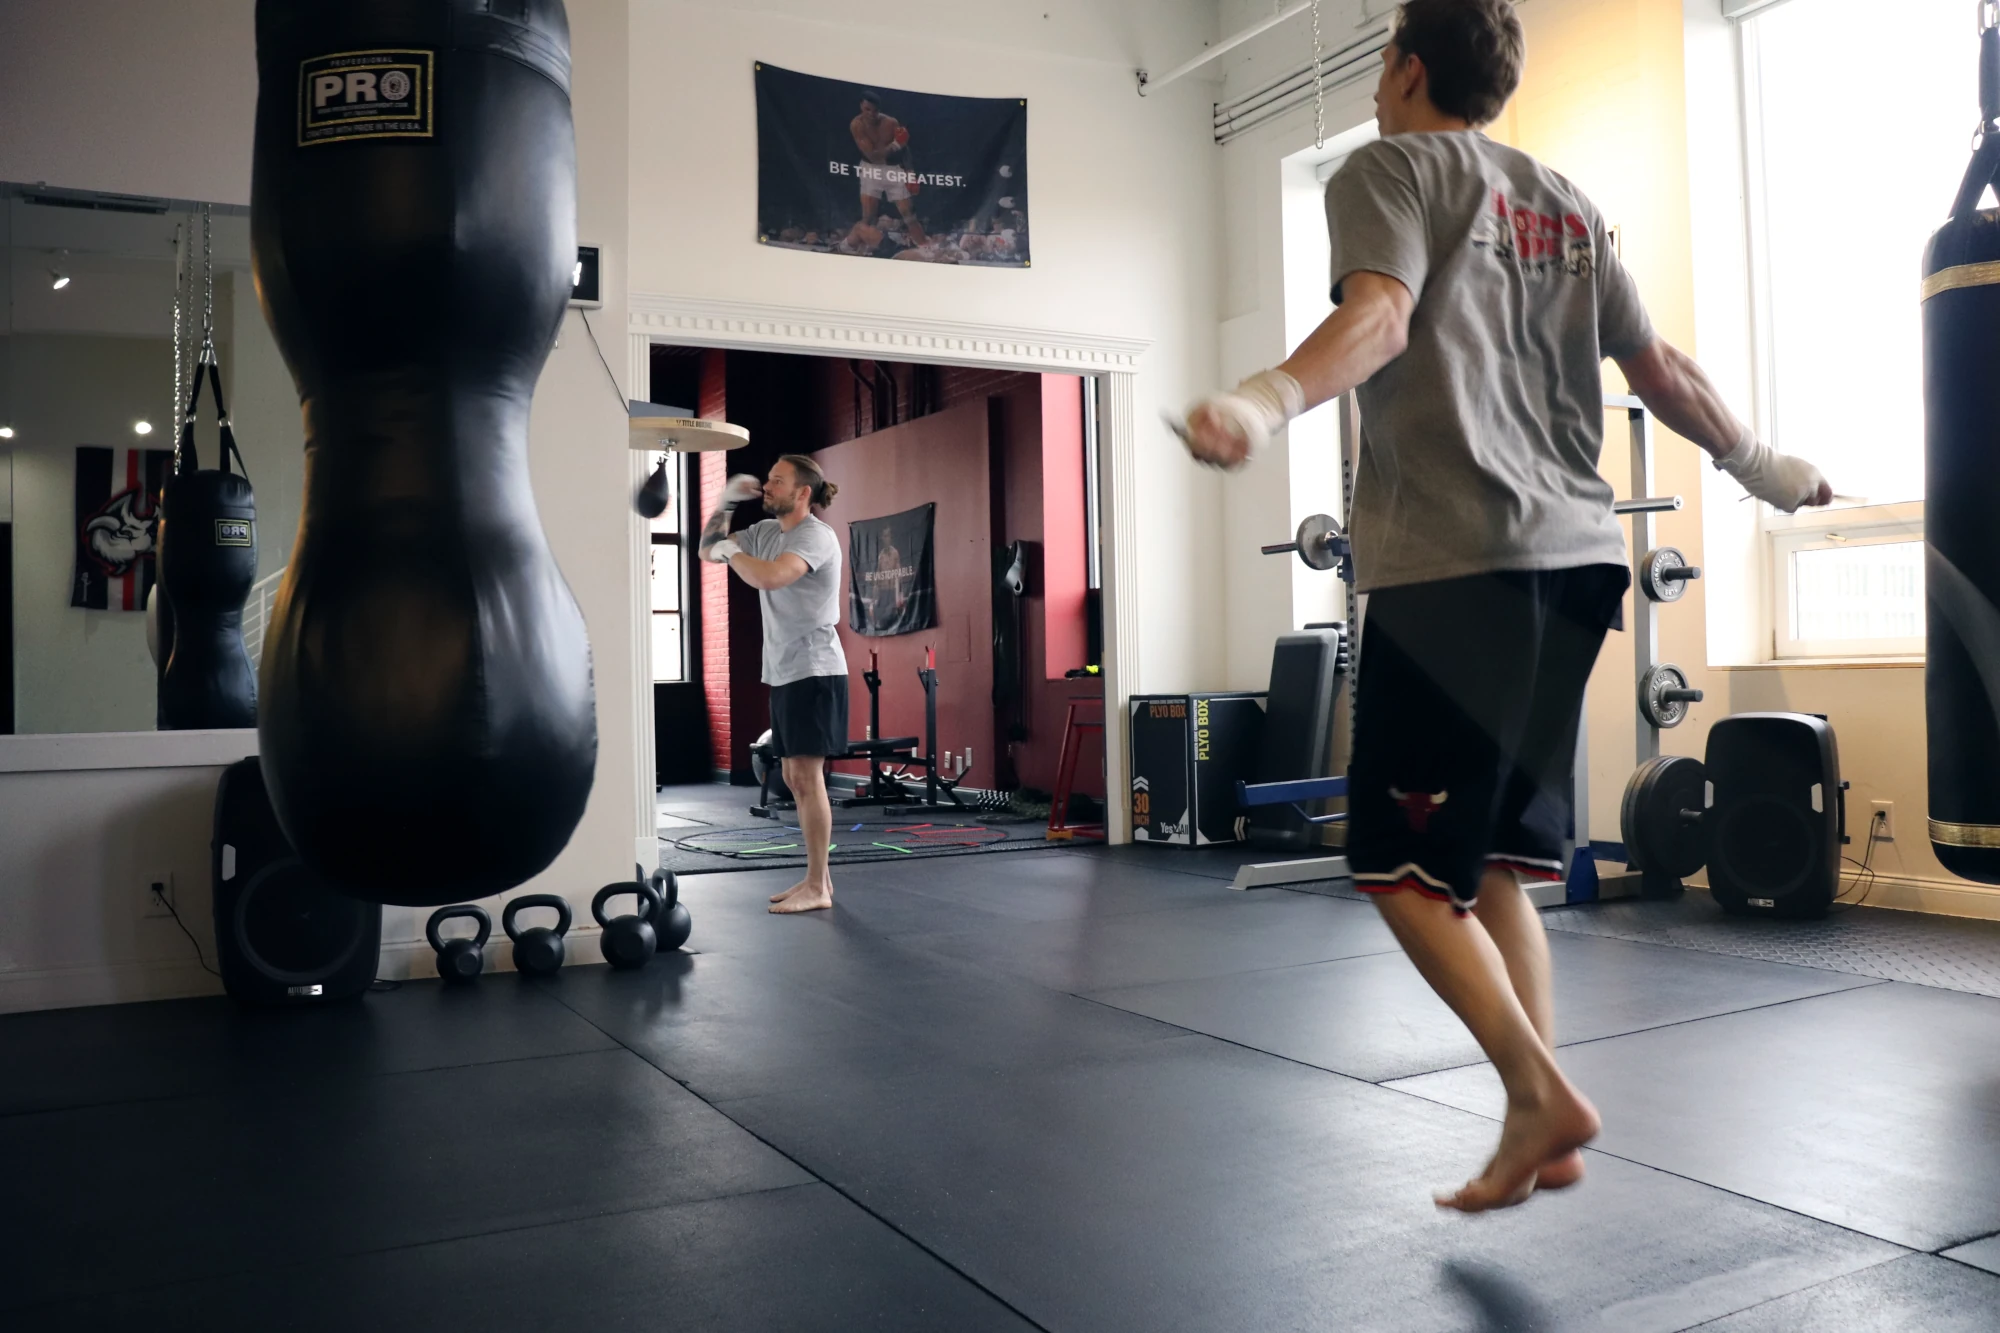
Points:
[(90, 410)]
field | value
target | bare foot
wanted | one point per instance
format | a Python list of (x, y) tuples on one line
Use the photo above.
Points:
[(1560, 1173), (1531, 1139), (805, 898), (780, 897)]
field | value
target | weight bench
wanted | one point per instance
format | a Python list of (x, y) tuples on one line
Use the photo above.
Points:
[(1303, 870)]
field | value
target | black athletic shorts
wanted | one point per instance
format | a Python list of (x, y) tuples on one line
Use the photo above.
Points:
[(1465, 725), (809, 717)]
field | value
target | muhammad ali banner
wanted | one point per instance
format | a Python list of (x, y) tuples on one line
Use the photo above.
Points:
[(891, 584), (846, 169), (117, 522)]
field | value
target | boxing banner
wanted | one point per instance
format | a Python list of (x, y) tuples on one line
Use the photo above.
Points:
[(843, 168), (891, 584), (117, 519)]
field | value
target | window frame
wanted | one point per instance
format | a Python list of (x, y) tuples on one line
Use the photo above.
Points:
[(1870, 525), (1784, 535), (677, 463)]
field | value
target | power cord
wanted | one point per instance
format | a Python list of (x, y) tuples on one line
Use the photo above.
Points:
[(160, 897), (616, 391), (1866, 866)]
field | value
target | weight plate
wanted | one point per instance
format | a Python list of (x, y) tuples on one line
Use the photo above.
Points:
[(1661, 711), (1629, 827), (1676, 787), (1312, 540), (1654, 583)]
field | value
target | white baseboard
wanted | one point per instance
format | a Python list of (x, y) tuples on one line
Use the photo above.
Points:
[(82, 985)]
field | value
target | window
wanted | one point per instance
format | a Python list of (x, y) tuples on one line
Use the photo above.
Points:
[(669, 581), (1850, 167)]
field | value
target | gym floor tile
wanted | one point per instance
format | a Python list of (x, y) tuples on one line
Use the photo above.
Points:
[(861, 1010), (1983, 1253), (122, 1196), (1241, 934), (175, 1048), (1915, 1294), (1221, 862), (1191, 1185), (786, 1259), (1873, 1108), (1063, 885), (1375, 1018)]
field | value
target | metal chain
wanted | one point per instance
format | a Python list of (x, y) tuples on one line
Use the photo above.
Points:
[(180, 336), (207, 290), (1319, 85)]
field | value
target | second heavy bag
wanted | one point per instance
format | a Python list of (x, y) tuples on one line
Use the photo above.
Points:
[(207, 554), (428, 723), (1961, 297)]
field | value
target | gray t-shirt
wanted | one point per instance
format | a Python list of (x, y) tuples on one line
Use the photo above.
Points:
[(800, 638), (1479, 444)]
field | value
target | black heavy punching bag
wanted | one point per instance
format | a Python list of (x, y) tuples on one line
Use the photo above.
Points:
[(1961, 498), (427, 722), (209, 516)]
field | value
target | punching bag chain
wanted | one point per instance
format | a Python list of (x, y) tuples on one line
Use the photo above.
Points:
[(207, 291), (1319, 84), (180, 334), (1989, 67)]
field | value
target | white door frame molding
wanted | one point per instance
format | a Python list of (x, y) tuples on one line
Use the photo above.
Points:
[(1114, 360)]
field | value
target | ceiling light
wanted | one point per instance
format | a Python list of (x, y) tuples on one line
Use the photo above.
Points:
[(6, 432), (58, 279), (142, 428)]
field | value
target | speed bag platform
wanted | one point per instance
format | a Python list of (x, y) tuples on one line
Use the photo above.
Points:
[(427, 718), (283, 934)]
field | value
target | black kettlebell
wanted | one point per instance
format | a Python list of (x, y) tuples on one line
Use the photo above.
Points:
[(671, 923), (628, 942), (538, 950), (459, 959)]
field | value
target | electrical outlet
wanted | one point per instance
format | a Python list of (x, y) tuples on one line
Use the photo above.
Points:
[(1884, 817), (159, 891)]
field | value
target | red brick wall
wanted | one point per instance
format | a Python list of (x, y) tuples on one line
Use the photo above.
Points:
[(714, 578)]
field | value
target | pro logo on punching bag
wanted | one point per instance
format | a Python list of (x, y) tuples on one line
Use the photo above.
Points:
[(234, 532), (365, 95)]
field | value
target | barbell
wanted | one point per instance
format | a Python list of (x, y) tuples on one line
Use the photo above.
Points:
[(1319, 542)]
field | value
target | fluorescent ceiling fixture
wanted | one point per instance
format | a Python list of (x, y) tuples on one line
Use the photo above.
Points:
[(142, 428)]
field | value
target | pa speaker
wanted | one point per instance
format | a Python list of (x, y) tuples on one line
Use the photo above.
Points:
[(1776, 814), (283, 934)]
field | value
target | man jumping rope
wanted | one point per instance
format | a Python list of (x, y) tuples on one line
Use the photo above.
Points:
[(792, 559), (1478, 296)]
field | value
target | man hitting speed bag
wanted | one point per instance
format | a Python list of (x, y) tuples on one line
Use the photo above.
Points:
[(1961, 495), (428, 726)]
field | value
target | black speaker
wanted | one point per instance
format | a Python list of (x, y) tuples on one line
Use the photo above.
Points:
[(283, 935), (1776, 814)]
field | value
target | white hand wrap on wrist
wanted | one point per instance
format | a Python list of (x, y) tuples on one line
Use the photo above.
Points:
[(720, 552), (1779, 479), (1262, 405)]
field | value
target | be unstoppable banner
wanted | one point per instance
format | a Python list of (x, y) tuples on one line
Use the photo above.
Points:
[(844, 168)]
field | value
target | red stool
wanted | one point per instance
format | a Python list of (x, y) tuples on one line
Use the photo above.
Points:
[(1074, 730)]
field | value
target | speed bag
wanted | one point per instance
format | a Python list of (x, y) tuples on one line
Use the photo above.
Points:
[(208, 563), (1961, 296), (428, 724)]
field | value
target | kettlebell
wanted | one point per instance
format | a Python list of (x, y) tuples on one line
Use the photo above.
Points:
[(628, 942), (671, 923), (538, 950), (459, 959)]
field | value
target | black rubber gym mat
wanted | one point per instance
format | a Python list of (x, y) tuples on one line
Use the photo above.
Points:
[(1950, 952), (1915, 1294), (1872, 1108)]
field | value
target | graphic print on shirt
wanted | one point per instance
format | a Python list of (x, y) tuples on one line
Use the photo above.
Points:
[(1541, 243)]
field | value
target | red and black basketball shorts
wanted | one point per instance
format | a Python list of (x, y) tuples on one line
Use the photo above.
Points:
[(1465, 724)]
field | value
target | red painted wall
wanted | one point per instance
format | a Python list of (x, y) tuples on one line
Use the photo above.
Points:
[(940, 459), (714, 406)]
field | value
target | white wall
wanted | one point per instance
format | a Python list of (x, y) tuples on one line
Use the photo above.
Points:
[(79, 95), (1124, 197)]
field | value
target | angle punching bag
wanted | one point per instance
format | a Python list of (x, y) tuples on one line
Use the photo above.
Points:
[(207, 561), (1961, 296), (428, 723)]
